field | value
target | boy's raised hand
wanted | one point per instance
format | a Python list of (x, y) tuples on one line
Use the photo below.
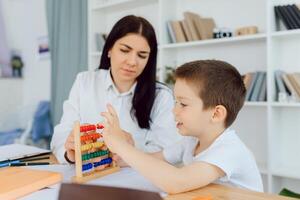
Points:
[(112, 133)]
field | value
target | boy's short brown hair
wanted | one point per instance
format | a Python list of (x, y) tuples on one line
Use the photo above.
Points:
[(217, 83)]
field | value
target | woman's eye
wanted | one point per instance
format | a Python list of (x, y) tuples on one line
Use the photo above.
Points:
[(142, 56), (124, 50)]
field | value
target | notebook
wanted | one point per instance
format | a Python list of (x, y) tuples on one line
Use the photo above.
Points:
[(19, 181), (93, 192)]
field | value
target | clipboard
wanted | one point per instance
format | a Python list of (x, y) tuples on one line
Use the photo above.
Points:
[(18, 181)]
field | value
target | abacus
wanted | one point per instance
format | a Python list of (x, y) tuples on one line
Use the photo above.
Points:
[(92, 157)]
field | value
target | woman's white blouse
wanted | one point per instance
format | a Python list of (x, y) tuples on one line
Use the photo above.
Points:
[(89, 96)]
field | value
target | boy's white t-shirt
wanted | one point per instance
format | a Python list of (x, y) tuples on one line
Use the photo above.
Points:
[(227, 152)]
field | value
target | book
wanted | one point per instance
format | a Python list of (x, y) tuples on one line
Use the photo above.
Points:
[(187, 30), (205, 27), (93, 192), (280, 88), (263, 92), (257, 86), (253, 81), (18, 181), (294, 83), (281, 17), (289, 85), (295, 13), (188, 16), (171, 32), (177, 28), (288, 15), (296, 77)]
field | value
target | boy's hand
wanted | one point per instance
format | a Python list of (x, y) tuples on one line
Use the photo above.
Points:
[(113, 135)]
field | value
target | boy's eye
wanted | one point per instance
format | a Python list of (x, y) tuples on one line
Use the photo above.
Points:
[(180, 104)]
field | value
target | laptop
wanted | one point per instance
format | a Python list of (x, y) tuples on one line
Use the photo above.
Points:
[(92, 192)]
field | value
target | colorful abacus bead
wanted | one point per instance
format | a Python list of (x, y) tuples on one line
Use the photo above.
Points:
[(87, 166), (103, 162), (87, 128), (91, 145), (100, 126), (94, 155), (93, 136)]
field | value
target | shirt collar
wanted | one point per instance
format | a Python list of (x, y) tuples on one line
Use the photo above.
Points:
[(109, 85)]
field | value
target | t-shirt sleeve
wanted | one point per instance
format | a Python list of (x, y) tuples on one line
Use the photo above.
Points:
[(173, 154), (225, 156)]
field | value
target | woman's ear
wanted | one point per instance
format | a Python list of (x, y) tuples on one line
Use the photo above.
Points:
[(219, 114), (109, 53)]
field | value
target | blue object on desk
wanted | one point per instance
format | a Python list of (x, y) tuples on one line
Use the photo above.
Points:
[(6, 164), (42, 126), (8, 137)]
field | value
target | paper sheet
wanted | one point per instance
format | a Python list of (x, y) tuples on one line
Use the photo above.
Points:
[(18, 150)]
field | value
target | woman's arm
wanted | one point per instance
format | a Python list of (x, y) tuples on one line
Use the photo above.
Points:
[(61, 139)]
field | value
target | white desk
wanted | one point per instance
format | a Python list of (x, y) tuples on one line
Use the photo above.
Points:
[(126, 177)]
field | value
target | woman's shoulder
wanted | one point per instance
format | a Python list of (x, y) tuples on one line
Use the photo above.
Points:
[(163, 93), (89, 76), (162, 88)]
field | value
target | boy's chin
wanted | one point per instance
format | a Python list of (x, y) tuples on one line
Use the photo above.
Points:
[(183, 132)]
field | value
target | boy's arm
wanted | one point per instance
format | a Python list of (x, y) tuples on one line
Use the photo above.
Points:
[(159, 155), (167, 177)]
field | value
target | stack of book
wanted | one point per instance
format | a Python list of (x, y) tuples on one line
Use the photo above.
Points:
[(191, 28), (289, 15), (287, 86), (256, 85)]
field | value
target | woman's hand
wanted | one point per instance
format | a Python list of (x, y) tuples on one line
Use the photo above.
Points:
[(70, 147), (113, 135)]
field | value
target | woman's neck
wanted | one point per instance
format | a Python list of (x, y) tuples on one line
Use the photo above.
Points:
[(122, 86)]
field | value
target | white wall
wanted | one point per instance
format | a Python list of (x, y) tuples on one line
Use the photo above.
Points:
[(25, 21)]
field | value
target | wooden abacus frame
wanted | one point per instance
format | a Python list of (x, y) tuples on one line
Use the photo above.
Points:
[(80, 176)]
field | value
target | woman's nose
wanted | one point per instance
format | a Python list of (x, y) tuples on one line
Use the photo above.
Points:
[(132, 59)]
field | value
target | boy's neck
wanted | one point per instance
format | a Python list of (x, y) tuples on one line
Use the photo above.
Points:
[(207, 138)]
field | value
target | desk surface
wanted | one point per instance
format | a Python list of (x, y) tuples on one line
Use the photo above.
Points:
[(218, 192), (136, 181)]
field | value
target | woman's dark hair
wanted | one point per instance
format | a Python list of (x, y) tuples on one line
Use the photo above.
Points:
[(144, 94)]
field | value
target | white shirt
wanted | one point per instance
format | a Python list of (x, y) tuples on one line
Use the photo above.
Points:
[(227, 152), (89, 96)]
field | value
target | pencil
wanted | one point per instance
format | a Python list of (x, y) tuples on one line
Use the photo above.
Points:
[(28, 164), (33, 159)]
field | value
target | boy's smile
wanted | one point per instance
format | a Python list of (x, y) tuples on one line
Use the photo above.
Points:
[(190, 117)]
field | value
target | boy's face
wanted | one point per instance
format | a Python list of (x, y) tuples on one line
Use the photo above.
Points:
[(191, 119)]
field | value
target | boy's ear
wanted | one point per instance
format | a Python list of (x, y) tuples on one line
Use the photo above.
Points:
[(219, 114)]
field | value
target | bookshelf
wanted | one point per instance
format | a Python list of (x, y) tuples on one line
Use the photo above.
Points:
[(270, 129)]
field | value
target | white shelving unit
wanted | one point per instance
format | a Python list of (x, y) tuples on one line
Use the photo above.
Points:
[(270, 129)]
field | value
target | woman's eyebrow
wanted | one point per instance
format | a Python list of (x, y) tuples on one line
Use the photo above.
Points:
[(129, 47)]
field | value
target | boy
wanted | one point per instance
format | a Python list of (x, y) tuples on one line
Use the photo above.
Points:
[(209, 95)]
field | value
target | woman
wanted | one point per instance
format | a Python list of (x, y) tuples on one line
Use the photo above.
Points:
[(125, 79)]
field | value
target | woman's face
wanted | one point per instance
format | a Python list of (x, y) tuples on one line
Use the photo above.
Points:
[(128, 57)]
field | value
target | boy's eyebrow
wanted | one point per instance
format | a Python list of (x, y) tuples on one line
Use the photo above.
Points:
[(181, 97), (129, 47)]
